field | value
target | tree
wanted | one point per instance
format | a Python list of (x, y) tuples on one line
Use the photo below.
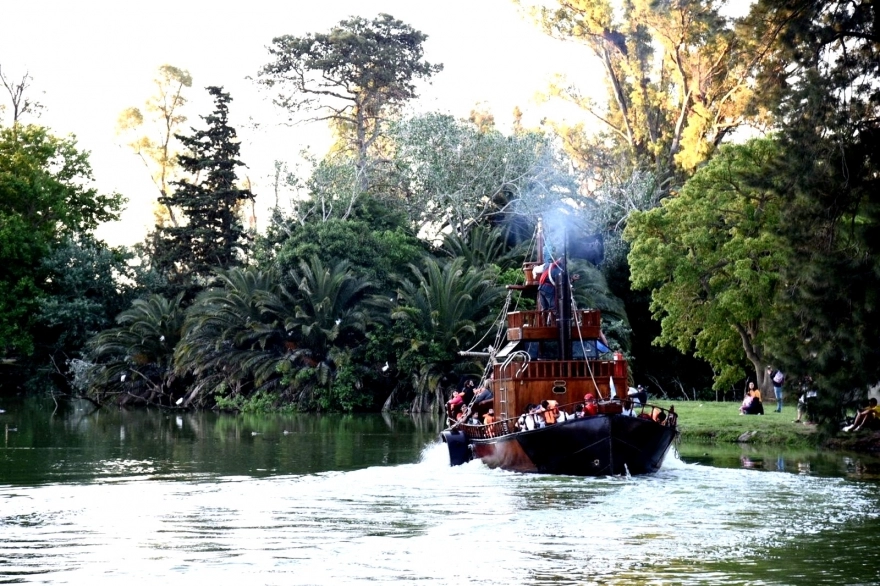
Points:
[(824, 74), (375, 254), (354, 76), (87, 284), (213, 236), (451, 173), (133, 362), (231, 345), (325, 316), (19, 96), (712, 257), (679, 75), (45, 197), (448, 306), (155, 145)]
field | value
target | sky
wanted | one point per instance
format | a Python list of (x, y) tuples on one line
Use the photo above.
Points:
[(91, 60)]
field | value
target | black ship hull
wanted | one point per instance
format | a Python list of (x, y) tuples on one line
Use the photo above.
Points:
[(601, 445)]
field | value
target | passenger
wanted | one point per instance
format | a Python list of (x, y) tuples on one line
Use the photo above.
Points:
[(579, 411), (538, 415), (672, 418), (590, 406), (547, 282), (453, 404), (639, 395), (468, 391), (628, 408), (549, 412), (483, 395), (869, 416), (562, 416), (462, 416), (553, 406), (488, 420), (659, 416), (526, 421)]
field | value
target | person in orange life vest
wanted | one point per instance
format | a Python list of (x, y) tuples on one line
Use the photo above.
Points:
[(551, 411), (590, 406), (488, 419)]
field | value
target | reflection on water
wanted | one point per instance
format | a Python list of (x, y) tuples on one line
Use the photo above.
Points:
[(776, 459), (161, 501)]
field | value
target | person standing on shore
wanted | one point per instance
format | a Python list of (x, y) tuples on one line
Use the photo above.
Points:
[(777, 377)]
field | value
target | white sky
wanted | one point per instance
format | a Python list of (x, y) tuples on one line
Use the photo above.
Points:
[(94, 59)]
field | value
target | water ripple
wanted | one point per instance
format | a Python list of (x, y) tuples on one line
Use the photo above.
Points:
[(430, 523)]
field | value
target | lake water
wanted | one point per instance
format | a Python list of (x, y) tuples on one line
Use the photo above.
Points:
[(112, 497)]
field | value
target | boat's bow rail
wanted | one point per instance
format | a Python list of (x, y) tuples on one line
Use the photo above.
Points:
[(649, 411)]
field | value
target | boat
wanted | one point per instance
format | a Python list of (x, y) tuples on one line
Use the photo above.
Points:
[(557, 355)]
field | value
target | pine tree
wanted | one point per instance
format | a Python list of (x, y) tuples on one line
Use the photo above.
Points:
[(212, 235)]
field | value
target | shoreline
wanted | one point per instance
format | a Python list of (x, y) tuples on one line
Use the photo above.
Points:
[(721, 423)]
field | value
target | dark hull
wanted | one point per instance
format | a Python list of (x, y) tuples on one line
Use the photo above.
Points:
[(593, 446)]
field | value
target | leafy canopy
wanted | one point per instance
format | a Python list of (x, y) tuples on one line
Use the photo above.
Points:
[(45, 197), (712, 257), (353, 76)]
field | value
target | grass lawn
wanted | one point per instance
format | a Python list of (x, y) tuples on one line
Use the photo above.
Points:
[(721, 422)]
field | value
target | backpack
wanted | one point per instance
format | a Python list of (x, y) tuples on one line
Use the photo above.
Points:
[(778, 378)]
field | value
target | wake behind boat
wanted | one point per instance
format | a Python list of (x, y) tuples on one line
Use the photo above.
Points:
[(562, 402)]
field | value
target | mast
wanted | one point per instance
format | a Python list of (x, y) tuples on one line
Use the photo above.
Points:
[(539, 242), (563, 304)]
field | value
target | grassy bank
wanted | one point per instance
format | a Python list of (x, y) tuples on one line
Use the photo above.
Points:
[(721, 423)]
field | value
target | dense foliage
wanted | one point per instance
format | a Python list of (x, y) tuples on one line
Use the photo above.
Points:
[(395, 254), (211, 235), (45, 200)]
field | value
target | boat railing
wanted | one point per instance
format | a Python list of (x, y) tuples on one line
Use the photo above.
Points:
[(534, 318), (554, 369), (662, 416)]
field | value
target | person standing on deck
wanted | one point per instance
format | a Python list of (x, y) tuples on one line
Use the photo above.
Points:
[(547, 284)]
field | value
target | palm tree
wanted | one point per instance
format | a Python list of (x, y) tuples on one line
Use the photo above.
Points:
[(331, 307), (323, 315), (230, 341), (482, 247), (134, 360), (449, 307)]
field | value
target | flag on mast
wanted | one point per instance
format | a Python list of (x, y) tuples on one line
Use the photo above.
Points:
[(612, 387)]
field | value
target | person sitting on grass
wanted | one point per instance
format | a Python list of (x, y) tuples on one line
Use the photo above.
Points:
[(806, 402), (751, 404), (869, 417)]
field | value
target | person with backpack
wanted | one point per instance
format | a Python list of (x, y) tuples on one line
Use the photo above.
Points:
[(778, 379)]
